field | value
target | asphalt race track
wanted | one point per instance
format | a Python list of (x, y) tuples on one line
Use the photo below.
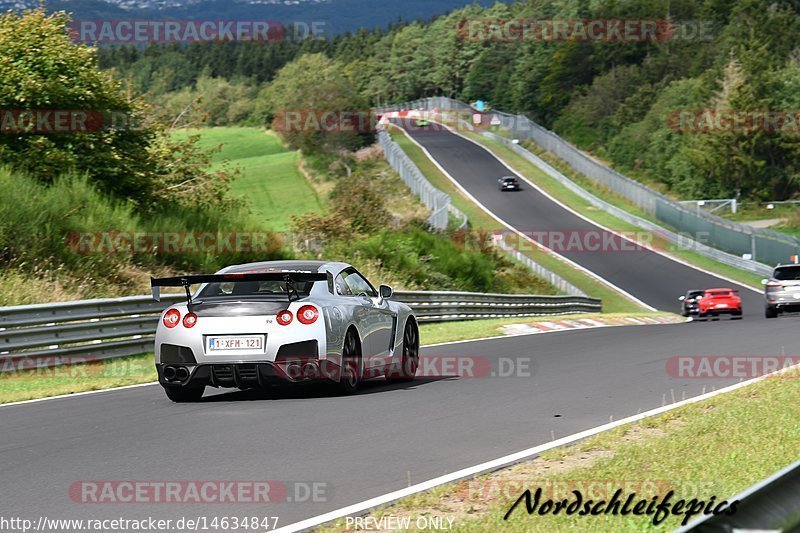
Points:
[(651, 277), (526, 389)]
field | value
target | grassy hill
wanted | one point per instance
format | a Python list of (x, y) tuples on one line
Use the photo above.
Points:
[(270, 180)]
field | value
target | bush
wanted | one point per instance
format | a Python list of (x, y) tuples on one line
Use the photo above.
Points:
[(41, 227)]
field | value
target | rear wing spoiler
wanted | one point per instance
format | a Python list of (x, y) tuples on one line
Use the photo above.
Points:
[(290, 278)]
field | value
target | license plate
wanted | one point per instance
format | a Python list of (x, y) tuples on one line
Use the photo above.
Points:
[(237, 342), (721, 305)]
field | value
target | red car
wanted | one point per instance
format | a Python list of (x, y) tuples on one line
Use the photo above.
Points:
[(715, 302)]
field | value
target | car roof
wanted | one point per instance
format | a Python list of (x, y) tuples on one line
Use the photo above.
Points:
[(721, 289), (789, 265), (508, 178), (302, 265)]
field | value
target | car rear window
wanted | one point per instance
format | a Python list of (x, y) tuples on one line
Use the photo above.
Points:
[(253, 290), (789, 273)]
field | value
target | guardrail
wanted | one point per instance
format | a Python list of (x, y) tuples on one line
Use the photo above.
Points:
[(771, 505), (437, 201), (444, 306), (47, 335)]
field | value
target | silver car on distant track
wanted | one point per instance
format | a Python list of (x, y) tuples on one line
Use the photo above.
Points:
[(258, 324), (782, 290)]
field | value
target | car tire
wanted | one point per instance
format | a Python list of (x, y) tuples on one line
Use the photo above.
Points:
[(409, 360), (770, 311), (184, 394), (350, 373)]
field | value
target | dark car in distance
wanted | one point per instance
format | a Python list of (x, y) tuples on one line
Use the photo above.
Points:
[(509, 183), (689, 302)]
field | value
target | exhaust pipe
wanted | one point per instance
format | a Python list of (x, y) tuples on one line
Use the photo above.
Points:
[(310, 370), (182, 373), (294, 371), (169, 373)]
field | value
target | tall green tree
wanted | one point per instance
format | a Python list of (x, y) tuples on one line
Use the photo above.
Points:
[(120, 148), (315, 107)]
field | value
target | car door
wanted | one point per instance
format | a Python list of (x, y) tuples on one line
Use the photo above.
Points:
[(376, 320)]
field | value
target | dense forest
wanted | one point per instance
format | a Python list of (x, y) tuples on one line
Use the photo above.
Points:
[(618, 99)]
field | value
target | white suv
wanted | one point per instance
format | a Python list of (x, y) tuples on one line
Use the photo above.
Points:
[(782, 290)]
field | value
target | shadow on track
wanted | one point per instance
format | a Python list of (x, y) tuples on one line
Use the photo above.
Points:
[(313, 391)]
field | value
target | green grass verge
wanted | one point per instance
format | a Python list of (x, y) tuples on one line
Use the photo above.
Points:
[(613, 301), (568, 197), (70, 379), (270, 180), (682, 450)]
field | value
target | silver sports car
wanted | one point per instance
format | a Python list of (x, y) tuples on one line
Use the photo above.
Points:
[(258, 324)]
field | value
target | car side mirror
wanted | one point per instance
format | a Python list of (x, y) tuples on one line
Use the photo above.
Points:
[(385, 291), (682, 298), (764, 281)]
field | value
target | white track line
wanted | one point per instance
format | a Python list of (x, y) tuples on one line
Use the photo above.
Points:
[(597, 224), (361, 508), (513, 229)]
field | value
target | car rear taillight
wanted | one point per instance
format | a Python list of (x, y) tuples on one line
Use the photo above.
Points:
[(189, 320), (307, 314), (171, 318), (774, 286), (285, 318)]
